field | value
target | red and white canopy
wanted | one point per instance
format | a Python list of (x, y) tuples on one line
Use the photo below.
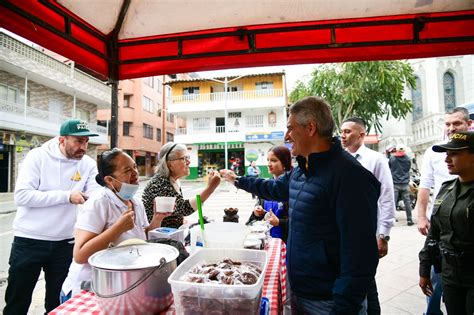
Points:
[(123, 39)]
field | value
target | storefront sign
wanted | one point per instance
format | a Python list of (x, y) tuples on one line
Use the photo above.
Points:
[(259, 136), (251, 155)]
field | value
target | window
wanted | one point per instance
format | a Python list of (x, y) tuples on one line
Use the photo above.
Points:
[(235, 115), (12, 95), (449, 91), (417, 100), (55, 110), (83, 114), (168, 94), (220, 124), (147, 104), (254, 121), (127, 126), (147, 131), (126, 101), (158, 134), (169, 117), (159, 110), (150, 81), (203, 123), (264, 88), (159, 86), (169, 137), (191, 93)]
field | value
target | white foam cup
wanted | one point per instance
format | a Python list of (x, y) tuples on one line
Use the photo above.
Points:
[(164, 204)]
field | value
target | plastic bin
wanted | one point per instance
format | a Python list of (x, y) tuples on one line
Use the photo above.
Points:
[(219, 235), (202, 298)]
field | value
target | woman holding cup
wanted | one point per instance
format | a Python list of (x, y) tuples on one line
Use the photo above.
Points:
[(110, 216), (173, 164), (276, 213)]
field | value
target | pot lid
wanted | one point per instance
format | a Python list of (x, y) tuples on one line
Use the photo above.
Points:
[(131, 257)]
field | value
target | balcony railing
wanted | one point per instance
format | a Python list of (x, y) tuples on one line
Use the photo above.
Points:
[(221, 129), (30, 53), (428, 129), (15, 113), (231, 96)]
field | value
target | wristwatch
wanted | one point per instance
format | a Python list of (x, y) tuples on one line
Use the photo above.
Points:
[(386, 238)]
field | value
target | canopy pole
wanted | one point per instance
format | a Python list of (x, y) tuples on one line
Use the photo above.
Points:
[(114, 114), (114, 73)]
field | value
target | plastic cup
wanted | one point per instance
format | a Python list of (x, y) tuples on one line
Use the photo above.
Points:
[(164, 204)]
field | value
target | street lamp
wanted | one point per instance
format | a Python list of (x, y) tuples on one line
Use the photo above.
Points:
[(226, 93)]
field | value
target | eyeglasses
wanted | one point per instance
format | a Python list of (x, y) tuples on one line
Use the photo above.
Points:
[(183, 158)]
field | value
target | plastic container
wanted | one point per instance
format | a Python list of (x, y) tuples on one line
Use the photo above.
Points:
[(167, 232), (164, 204), (202, 298), (219, 235)]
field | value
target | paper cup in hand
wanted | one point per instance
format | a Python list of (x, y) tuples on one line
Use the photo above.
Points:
[(164, 204)]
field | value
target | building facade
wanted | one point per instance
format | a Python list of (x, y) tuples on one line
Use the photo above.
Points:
[(248, 119), (441, 84), (144, 123), (37, 93)]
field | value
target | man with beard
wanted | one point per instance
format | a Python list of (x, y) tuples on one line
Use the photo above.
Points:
[(53, 179)]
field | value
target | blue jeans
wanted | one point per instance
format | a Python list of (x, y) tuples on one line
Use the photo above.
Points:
[(434, 302), (27, 258), (301, 306)]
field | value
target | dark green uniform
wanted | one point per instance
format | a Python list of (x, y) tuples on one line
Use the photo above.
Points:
[(452, 229)]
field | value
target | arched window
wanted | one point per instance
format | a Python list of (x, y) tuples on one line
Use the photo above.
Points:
[(449, 91), (417, 101)]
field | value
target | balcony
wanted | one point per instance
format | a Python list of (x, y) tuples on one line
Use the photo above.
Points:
[(428, 130), (18, 58), (235, 100), (14, 116)]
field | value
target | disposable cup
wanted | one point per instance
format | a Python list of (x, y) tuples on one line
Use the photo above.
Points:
[(164, 204)]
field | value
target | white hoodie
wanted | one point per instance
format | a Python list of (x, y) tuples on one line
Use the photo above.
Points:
[(42, 192)]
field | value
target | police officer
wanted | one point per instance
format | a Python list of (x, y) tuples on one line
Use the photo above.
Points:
[(450, 242)]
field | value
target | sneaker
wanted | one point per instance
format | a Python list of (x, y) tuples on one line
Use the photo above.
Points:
[(410, 223)]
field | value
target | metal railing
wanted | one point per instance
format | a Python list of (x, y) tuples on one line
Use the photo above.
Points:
[(31, 53), (18, 112), (231, 96)]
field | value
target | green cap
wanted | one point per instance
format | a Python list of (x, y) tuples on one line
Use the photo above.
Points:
[(458, 141), (76, 127)]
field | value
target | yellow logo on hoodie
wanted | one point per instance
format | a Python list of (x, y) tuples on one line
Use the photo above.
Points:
[(76, 177)]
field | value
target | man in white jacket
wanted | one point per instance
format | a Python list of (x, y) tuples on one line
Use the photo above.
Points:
[(53, 179)]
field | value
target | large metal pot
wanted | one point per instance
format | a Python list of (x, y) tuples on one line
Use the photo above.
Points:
[(133, 279)]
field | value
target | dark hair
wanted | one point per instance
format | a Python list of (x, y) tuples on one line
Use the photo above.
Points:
[(106, 164), (356, 120), (462, 110), (284, 155), (317, 109)]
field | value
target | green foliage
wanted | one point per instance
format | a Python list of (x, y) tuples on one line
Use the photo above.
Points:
[(371, 90)]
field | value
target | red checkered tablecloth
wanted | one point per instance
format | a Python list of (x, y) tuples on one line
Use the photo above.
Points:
[(274, 287)]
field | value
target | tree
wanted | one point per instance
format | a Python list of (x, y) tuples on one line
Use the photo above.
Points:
[(370, 90)]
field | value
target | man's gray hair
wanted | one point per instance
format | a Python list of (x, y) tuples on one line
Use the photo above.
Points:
[(167, 153), (462, 110), (317, 109)]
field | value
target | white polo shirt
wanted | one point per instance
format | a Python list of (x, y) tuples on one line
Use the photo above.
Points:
[(98, 214)]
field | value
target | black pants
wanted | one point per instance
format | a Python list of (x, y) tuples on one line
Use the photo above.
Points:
[(459, 300), (373, 305), (403, 190), (27, 258)]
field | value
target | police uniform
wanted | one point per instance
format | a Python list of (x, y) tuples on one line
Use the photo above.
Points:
[(450, 245)]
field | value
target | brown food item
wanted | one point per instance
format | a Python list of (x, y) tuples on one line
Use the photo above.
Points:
[(226, 272), (231, 211)]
